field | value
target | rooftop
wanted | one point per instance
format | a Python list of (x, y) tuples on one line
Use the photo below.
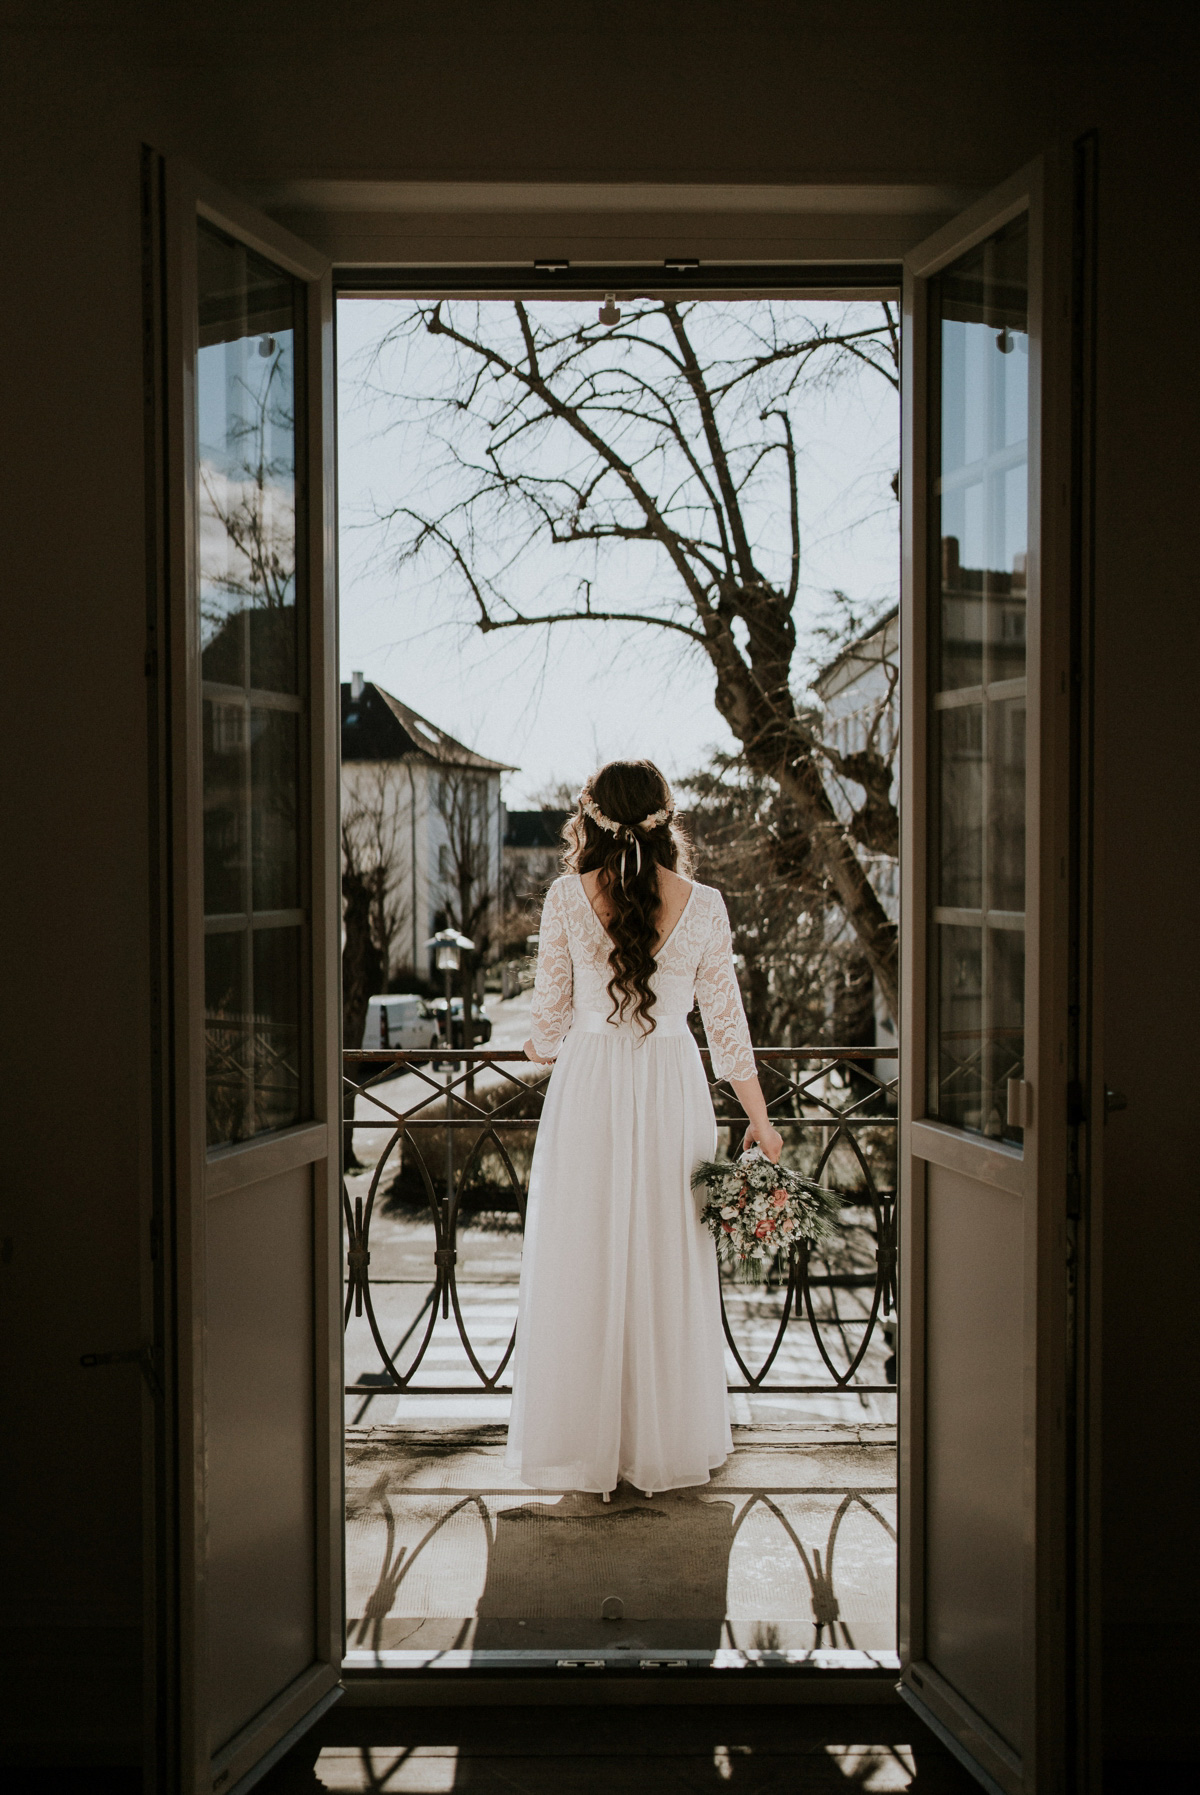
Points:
[(378, 726), (874, 646)]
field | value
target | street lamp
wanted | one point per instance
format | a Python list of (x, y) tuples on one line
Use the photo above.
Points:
[(449, 947)]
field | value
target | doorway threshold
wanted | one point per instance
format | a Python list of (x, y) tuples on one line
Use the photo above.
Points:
[(622, 1659), (611, 1678)]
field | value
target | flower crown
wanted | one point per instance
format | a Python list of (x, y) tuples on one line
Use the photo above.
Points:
[(654, 821)]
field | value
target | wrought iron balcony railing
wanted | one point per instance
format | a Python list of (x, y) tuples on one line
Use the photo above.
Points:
[(458, 1155)]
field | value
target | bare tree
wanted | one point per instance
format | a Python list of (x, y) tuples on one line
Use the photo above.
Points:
[(660, 436), (870, 655), (374, 907), (375, 846), (777, 900), (361, 967), (248, 514), (468, 884)]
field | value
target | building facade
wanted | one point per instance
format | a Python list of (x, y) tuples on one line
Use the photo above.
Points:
[(422, 816), (533, 851), (859, 692)]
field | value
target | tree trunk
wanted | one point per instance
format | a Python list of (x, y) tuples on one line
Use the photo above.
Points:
[(853, 1018), (757, 704), (466, 992), (361, 972), (833, 851)]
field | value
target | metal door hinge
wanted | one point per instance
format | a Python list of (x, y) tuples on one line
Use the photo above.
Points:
[(144, 1357), (1020, 1103)]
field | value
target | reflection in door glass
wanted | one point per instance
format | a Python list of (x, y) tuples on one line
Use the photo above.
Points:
[(251, 641), (978, 721)]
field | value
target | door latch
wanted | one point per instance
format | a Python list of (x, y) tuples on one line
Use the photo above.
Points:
[(1020, 1103), (144, 1357)]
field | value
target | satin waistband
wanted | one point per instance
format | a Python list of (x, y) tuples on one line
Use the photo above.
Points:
[(590, 1022)]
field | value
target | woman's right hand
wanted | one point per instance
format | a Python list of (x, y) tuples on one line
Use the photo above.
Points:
[(531, 1053), (769, 1139)]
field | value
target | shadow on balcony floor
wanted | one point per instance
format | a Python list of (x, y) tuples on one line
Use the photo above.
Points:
[(636, 1751), (452, 1562)]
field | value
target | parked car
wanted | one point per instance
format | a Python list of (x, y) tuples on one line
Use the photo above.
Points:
[(481, 1021), (400, 1021)]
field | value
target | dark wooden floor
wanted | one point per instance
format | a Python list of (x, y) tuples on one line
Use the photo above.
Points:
[(758, 1750), (765, 1750)]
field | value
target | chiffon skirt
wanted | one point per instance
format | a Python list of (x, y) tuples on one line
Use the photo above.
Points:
[(620, 1362)]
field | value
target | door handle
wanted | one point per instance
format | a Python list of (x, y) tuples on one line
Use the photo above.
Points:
[(1020, 1103)]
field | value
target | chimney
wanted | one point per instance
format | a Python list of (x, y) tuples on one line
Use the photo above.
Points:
[(356, 685), (951, 571)]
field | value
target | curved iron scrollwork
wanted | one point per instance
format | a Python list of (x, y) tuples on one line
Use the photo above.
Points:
[(838, 1120), (818, 1564)]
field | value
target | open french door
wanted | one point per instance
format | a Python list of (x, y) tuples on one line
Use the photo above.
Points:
[(251, 1630), (986, 706)]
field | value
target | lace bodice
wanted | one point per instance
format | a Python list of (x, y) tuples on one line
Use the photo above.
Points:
[(694, 963)]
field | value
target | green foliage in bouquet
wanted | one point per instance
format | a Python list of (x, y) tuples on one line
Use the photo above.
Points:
[(757, 1212)]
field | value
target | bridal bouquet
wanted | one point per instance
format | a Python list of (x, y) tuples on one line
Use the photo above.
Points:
[(756, 1211)]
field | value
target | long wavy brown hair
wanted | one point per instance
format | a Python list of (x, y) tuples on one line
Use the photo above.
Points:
[(627, 791)]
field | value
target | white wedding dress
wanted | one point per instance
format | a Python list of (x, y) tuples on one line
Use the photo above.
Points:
[(620, 1358)]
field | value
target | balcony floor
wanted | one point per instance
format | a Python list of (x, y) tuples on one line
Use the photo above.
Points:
[(507, 1749), (788, 1551)]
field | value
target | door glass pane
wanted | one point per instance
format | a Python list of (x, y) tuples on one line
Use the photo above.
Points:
[(229, 1046), (246, 487), (959, 735), (224, 726), (277, 989), (1006, 804), (251, 621), (959, 1022), (274, 795), (977, 727)]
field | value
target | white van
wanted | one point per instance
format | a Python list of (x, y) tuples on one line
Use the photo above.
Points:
[(400, 1022)]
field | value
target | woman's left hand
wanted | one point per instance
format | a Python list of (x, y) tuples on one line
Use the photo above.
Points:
[(531, 1053), (766, 1137)]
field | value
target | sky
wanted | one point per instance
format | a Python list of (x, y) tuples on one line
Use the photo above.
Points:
[(554, 703)]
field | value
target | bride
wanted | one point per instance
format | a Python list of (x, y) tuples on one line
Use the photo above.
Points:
[(620, 1359)]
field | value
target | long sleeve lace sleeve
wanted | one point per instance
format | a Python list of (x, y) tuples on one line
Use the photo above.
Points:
[(553, 989), (720, 1000)]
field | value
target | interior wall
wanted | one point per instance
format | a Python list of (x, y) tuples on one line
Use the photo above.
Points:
[(1148, 642), (74, 932), (931, 96)]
